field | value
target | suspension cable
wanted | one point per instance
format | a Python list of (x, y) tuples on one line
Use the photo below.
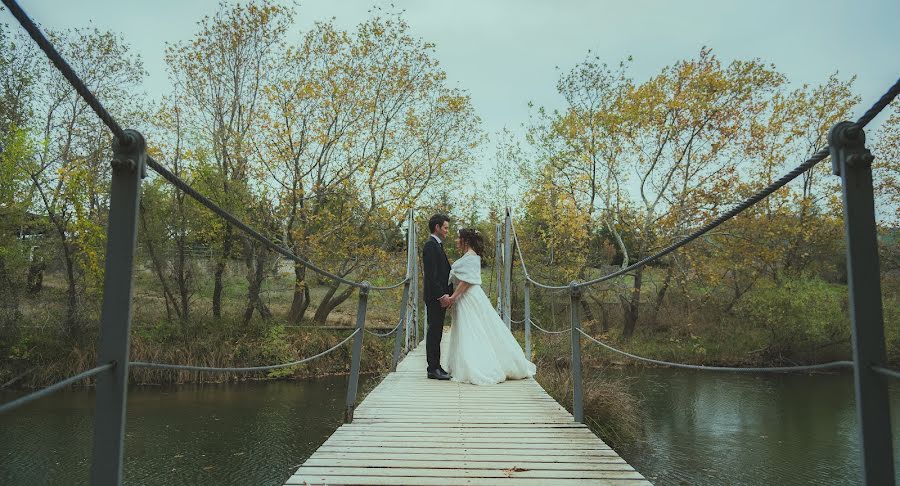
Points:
[(8, 406), (386, 334), (142, 364), (549, 332), (771, 369)]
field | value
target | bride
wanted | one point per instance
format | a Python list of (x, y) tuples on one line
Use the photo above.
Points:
[(481, 350)]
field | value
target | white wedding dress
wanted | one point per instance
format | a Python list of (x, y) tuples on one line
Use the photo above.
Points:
[(481, 350)]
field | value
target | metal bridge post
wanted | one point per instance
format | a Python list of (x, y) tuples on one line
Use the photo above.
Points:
[(357, 351), (398, 333), (498, 264), (128, 168), (417, 301), (853, 163), (507, 271), (410, 265), (527, 319), (574, 306)]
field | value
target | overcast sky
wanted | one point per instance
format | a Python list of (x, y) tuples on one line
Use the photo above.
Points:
[(505, 53)]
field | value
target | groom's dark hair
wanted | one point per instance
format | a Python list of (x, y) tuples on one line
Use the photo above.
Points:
[(437, 220)]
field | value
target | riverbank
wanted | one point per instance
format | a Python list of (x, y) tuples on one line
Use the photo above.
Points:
[(43, 356)]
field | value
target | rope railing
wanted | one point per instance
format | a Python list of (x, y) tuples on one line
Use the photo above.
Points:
[(14, 404), (166, 366), (767, 369), (386, 334), (545, 331), (887, 372)]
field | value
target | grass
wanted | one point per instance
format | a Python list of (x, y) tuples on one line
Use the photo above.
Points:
[(611, 410), (36, 350)]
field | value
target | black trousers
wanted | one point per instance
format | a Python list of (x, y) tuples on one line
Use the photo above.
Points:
[(436, 315)]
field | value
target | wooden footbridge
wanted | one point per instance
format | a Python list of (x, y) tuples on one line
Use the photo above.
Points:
[(412, 430)]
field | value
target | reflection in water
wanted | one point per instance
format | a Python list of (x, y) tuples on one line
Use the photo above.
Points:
[(255, 433), (701, 428), (705, 428)]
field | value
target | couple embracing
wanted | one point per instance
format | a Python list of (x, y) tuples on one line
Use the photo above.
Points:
[(481, 349)]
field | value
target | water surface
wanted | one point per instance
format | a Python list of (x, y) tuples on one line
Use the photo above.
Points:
[(726, 428), (248, 433)]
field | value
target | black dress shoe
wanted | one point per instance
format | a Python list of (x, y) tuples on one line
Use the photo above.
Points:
[(438, 374)]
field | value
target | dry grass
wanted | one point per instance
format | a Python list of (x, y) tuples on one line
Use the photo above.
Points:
[(610, 409)]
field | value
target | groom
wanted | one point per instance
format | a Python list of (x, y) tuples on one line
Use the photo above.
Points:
[(437, 292)]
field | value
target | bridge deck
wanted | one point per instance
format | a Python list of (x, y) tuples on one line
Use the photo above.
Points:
[(412, 430)]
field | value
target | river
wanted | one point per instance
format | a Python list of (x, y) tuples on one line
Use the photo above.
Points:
[(705, 428), (700, 428)]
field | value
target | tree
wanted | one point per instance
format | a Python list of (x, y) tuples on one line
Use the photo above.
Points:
[(71, 174), (221, 75), (18, 77), (363, 126), (886, 175)]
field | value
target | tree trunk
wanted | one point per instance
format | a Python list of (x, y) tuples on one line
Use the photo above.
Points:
[(300, 302), (220, 269), (255, 261), (36, 276), (182, 279), (633, 307), (604, 313), (72, 292), (9, 296), (330, 301), (661, 295), (262, 262), (586, 313), (157, 267)]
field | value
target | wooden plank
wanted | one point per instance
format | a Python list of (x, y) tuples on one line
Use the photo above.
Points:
[(499, 441), (519, 456), (449, 481), (411, 430), (454, 464), (462, 450), (468, 473), (539, 444)]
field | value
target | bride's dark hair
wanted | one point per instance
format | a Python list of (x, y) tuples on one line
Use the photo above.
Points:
[(473, 239)]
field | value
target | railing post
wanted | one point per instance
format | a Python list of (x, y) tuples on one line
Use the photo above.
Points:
[(357, 351), (398, 334), (410, 264), (527, 318), (128, 168), (853, 163), (574, 306), (498, 264), (417, 301), (507, 271)]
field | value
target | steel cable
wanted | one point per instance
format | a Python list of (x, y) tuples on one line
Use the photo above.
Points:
[(392, 331), (8, 406), (142, 364), (549, 332), (821, 366)]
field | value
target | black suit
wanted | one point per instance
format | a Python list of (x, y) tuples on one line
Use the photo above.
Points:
[(436, 267)]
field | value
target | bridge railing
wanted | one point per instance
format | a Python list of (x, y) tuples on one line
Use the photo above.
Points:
[(129, 166), (852, 162)]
